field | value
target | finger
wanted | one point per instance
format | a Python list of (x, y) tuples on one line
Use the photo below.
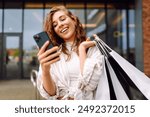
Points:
[(53, 61), (50, 57), (88, 39), (94, 35), (94, 43), (37, 47), (91, 43), (43, 48), (48, 52), (60, 48)]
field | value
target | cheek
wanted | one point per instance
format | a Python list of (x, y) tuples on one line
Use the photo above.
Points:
[(56, 31), (73, 26)]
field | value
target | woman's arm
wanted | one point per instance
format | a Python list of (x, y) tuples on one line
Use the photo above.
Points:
[(46, 58), (83, 52), (91, 66)]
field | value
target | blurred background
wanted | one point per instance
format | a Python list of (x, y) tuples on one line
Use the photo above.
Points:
[(122, 24)]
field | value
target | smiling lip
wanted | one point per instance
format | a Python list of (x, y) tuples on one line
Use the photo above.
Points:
[(64, 30)]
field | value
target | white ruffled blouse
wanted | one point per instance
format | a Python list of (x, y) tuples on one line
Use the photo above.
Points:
[(68, 79)]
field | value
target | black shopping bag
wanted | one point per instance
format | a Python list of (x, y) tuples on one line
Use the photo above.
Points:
[(124, 80)]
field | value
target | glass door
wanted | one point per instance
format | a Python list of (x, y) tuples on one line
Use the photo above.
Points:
[(12, 56)]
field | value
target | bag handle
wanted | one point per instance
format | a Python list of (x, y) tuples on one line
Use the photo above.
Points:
[(104, 49)]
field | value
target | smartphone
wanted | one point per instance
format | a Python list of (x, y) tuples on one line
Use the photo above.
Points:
[(41, 38)]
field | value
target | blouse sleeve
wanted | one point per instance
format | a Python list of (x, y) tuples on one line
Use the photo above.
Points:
[(92, 70), (41, 89)]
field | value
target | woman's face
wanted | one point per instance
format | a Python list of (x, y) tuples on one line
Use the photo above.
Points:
[(64, 26)]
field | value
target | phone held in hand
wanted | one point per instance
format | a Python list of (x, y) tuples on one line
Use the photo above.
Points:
[(41, 38)]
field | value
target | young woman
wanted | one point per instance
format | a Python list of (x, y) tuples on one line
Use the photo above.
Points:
[(72, 73)]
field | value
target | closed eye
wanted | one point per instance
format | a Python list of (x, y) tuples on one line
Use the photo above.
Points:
[(62, 18), (54, 25)]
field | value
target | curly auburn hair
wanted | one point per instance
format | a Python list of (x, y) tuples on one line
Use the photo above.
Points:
[(79, 32)]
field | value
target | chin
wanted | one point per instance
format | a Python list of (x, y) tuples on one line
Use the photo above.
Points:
[(67, 37)]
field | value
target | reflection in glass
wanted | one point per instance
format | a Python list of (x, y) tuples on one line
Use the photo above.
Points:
[(120, 25), (117, 31), (13, 20), (80, 14), (131, 27), (96, 22), (33, 21), (77, 12), (12, 57)]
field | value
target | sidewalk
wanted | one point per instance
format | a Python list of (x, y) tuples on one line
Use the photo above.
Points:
[(17, 90)]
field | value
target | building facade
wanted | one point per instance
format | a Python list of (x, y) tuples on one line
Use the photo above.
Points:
[(119, 24)]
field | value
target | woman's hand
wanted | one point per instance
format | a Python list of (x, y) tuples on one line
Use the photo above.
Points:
[(82, 52), (86, 44), (46, 58)]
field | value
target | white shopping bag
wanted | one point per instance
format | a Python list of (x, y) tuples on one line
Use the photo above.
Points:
[(127, 81)]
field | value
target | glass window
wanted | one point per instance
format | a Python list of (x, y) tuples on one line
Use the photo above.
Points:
[(33, 22), (124, 33), (77, 12), (121, 32), (116, 31), (0, 40), (49, 5), (96, 22), (80, 13), (131, 27), (13, 20), (0, 20)]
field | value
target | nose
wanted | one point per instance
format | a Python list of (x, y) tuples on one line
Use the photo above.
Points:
[(60, 24)]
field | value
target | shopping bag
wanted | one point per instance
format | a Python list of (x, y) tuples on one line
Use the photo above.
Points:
[(109, 88), (127, 81), (103, 89)]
